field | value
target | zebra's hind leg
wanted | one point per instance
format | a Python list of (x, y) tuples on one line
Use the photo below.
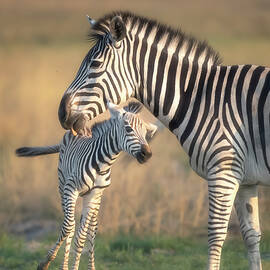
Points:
[(91, 237), (67, 248), (92, 231), (70, 198), (222, 190), (246, 205)]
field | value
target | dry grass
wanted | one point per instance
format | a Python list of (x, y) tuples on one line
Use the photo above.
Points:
[(42, 45)]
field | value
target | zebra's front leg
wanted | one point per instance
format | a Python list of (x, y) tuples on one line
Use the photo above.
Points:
[(222, 191), (246, 205), (70, 198)]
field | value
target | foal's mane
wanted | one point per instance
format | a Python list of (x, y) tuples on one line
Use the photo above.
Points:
[(101, 127)]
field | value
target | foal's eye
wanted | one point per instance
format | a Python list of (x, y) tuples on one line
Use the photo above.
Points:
[(128, 129), (96, 64)]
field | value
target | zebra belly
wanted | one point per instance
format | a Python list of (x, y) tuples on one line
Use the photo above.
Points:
[(257, 169), (256, 174)]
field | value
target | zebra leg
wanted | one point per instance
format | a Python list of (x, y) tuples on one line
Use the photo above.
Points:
[(91, 204), (246, 205), (221, 191), (70, 236), (70, 198), (91, 237), (67, 248), (92, 231)]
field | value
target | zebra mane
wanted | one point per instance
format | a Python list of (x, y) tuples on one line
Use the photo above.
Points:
[(101, 28)]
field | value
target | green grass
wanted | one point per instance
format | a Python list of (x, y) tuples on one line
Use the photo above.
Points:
[(132, 253)]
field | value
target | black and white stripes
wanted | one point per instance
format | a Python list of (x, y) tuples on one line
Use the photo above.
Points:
[(220, 114), (84, 169)]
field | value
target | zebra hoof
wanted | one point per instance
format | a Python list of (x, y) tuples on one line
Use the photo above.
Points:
[(43, 266)]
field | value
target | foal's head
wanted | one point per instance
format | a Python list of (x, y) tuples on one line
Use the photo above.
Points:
[(133, 130)]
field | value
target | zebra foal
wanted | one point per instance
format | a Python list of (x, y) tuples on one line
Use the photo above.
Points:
[(85, 170)]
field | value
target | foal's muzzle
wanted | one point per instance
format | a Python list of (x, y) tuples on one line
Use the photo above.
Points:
[(144, 154)]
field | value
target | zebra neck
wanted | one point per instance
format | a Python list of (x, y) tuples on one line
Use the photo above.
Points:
[(107, 133), (176, 89), (169, 72), (170, 86)]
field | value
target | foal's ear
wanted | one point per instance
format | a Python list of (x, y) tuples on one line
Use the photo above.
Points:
[(91, 21), (151, 130), (115, 111), (117, 28)]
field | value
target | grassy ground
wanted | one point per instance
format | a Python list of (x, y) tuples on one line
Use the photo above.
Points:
[(132, 253), (42, 44)]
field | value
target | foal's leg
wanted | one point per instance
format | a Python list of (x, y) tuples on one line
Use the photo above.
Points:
[(69, 198), (67, 248), (70, 236), (246, 205), (91, 203), (92, 231)]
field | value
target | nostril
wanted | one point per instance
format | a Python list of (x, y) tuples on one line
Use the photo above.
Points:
[(145, 151)]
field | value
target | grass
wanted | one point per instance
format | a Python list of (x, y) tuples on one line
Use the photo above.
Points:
[(124, 252)]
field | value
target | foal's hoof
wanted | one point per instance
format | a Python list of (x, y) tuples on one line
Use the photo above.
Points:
[(42, 266)]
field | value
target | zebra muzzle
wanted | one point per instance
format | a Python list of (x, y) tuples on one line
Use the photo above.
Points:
[(80, 127), (84, 132), (144, 154), (74, 132)]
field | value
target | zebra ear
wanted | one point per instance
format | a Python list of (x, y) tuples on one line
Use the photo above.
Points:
[(117, 28), (91, 21), (114, 110), (151, 130), (133, 107)]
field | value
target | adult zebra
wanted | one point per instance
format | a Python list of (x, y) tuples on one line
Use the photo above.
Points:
[(220, 114), (84, 170)]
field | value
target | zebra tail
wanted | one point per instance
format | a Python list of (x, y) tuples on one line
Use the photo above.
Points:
[(37, 151)]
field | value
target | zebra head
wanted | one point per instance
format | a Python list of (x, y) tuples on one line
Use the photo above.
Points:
[(133, 131), (103, 75)]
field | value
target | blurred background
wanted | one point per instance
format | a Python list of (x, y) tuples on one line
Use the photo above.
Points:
[(42, 44)]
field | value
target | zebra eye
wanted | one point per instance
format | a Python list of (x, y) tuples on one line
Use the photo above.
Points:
[(128, 129), (96, 64)]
